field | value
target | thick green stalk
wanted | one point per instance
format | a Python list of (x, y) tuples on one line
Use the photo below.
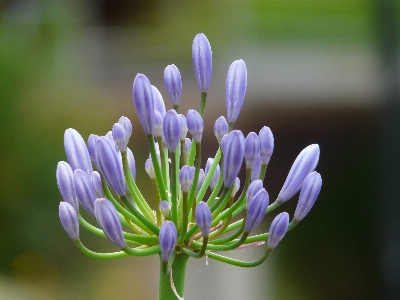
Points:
[(165, 291)]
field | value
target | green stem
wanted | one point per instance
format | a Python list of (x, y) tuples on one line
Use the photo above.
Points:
[(174, 188), (240, 263), (209, 176), (96, 255), (203, 102), (165, 291), (157, 168), (163, 161)]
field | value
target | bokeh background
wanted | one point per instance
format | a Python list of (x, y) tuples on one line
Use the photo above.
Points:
[(319, 71)]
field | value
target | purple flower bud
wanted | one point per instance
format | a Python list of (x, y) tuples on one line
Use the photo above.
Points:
[(236, 186), (252, 190), (69, 220), (108, 219), (172, 130), (304, 164), (186, 175), (256, 170), (131, 162), (173, 83), (120, 136), (233, 149), (195, 125), (203, 218), (84, 191), (308, 195), (77, 153), (158, 124), (148, 165), (186, 148), (256, 211), (164, 208), (144, 103), (202, 177), (202, 61), (267, 144), (184, 127), (251, 149), (92, 147), (236, 83), (65, 183), (215, 176), (110, 165), (278, 229), (220, 128), (158, 101), (167, 240), (126, 123), (96, 182)]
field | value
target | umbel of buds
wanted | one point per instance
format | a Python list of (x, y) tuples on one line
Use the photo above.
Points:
[(183, 222)]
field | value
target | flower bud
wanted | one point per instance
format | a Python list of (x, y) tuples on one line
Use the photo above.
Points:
[(186, 175), (92, 147), (202, 177), (184, 127), (251, 149), (278, 229), (215, 176), (267, 144), (165, 208), (308, 195), (69, 220), (172, 130), (186, 148), (120, 136), (257, 210), (110, 165), (158, 124), (131, 162), (173, 83), (252, 190), (195, 125), (236, 82), (202, 61), (65, 183), (144, 103), (77, 153), (126, 123), (256, 170), (167, 240), (150, 168), (304, 164), (203, 218), (236, 186), (84, 191), (220, 128), (158, 101), (97, 185), (233, 149), (108, 219)]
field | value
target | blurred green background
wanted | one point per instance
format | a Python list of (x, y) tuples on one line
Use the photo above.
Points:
[(319, 71)]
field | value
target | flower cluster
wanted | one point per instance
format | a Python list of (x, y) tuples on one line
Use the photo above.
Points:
[(182, 222)]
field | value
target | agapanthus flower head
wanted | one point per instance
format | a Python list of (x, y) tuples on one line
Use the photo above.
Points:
[(220, 128), (107, 217), (172, 130), (69, 220), (233, 148), (267, 144), (195, 125), (76, 151), (131, 162), (252, 190), (110, 165), (236, 83), (126, 123), (97, 185), (84, 190), (186, 175), (158, 101), (251, 149), (308, 195), (184, 127), (120, 136), (173, 83), (144, 103), (304, 164), (65, 183), (167, 240), (278, 229), (202, 61), (257, 210), (203, 218)]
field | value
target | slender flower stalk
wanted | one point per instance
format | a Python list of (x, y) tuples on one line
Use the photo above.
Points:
[(185, 221)]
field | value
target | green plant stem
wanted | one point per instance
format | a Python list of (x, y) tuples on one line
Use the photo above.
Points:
[(203, 102), (263, 171), (174, 188), (178, 270), (157, 168), (97, 255), (197, 254), (183, 228), (240, 263), (209, 176), (191, 197)]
